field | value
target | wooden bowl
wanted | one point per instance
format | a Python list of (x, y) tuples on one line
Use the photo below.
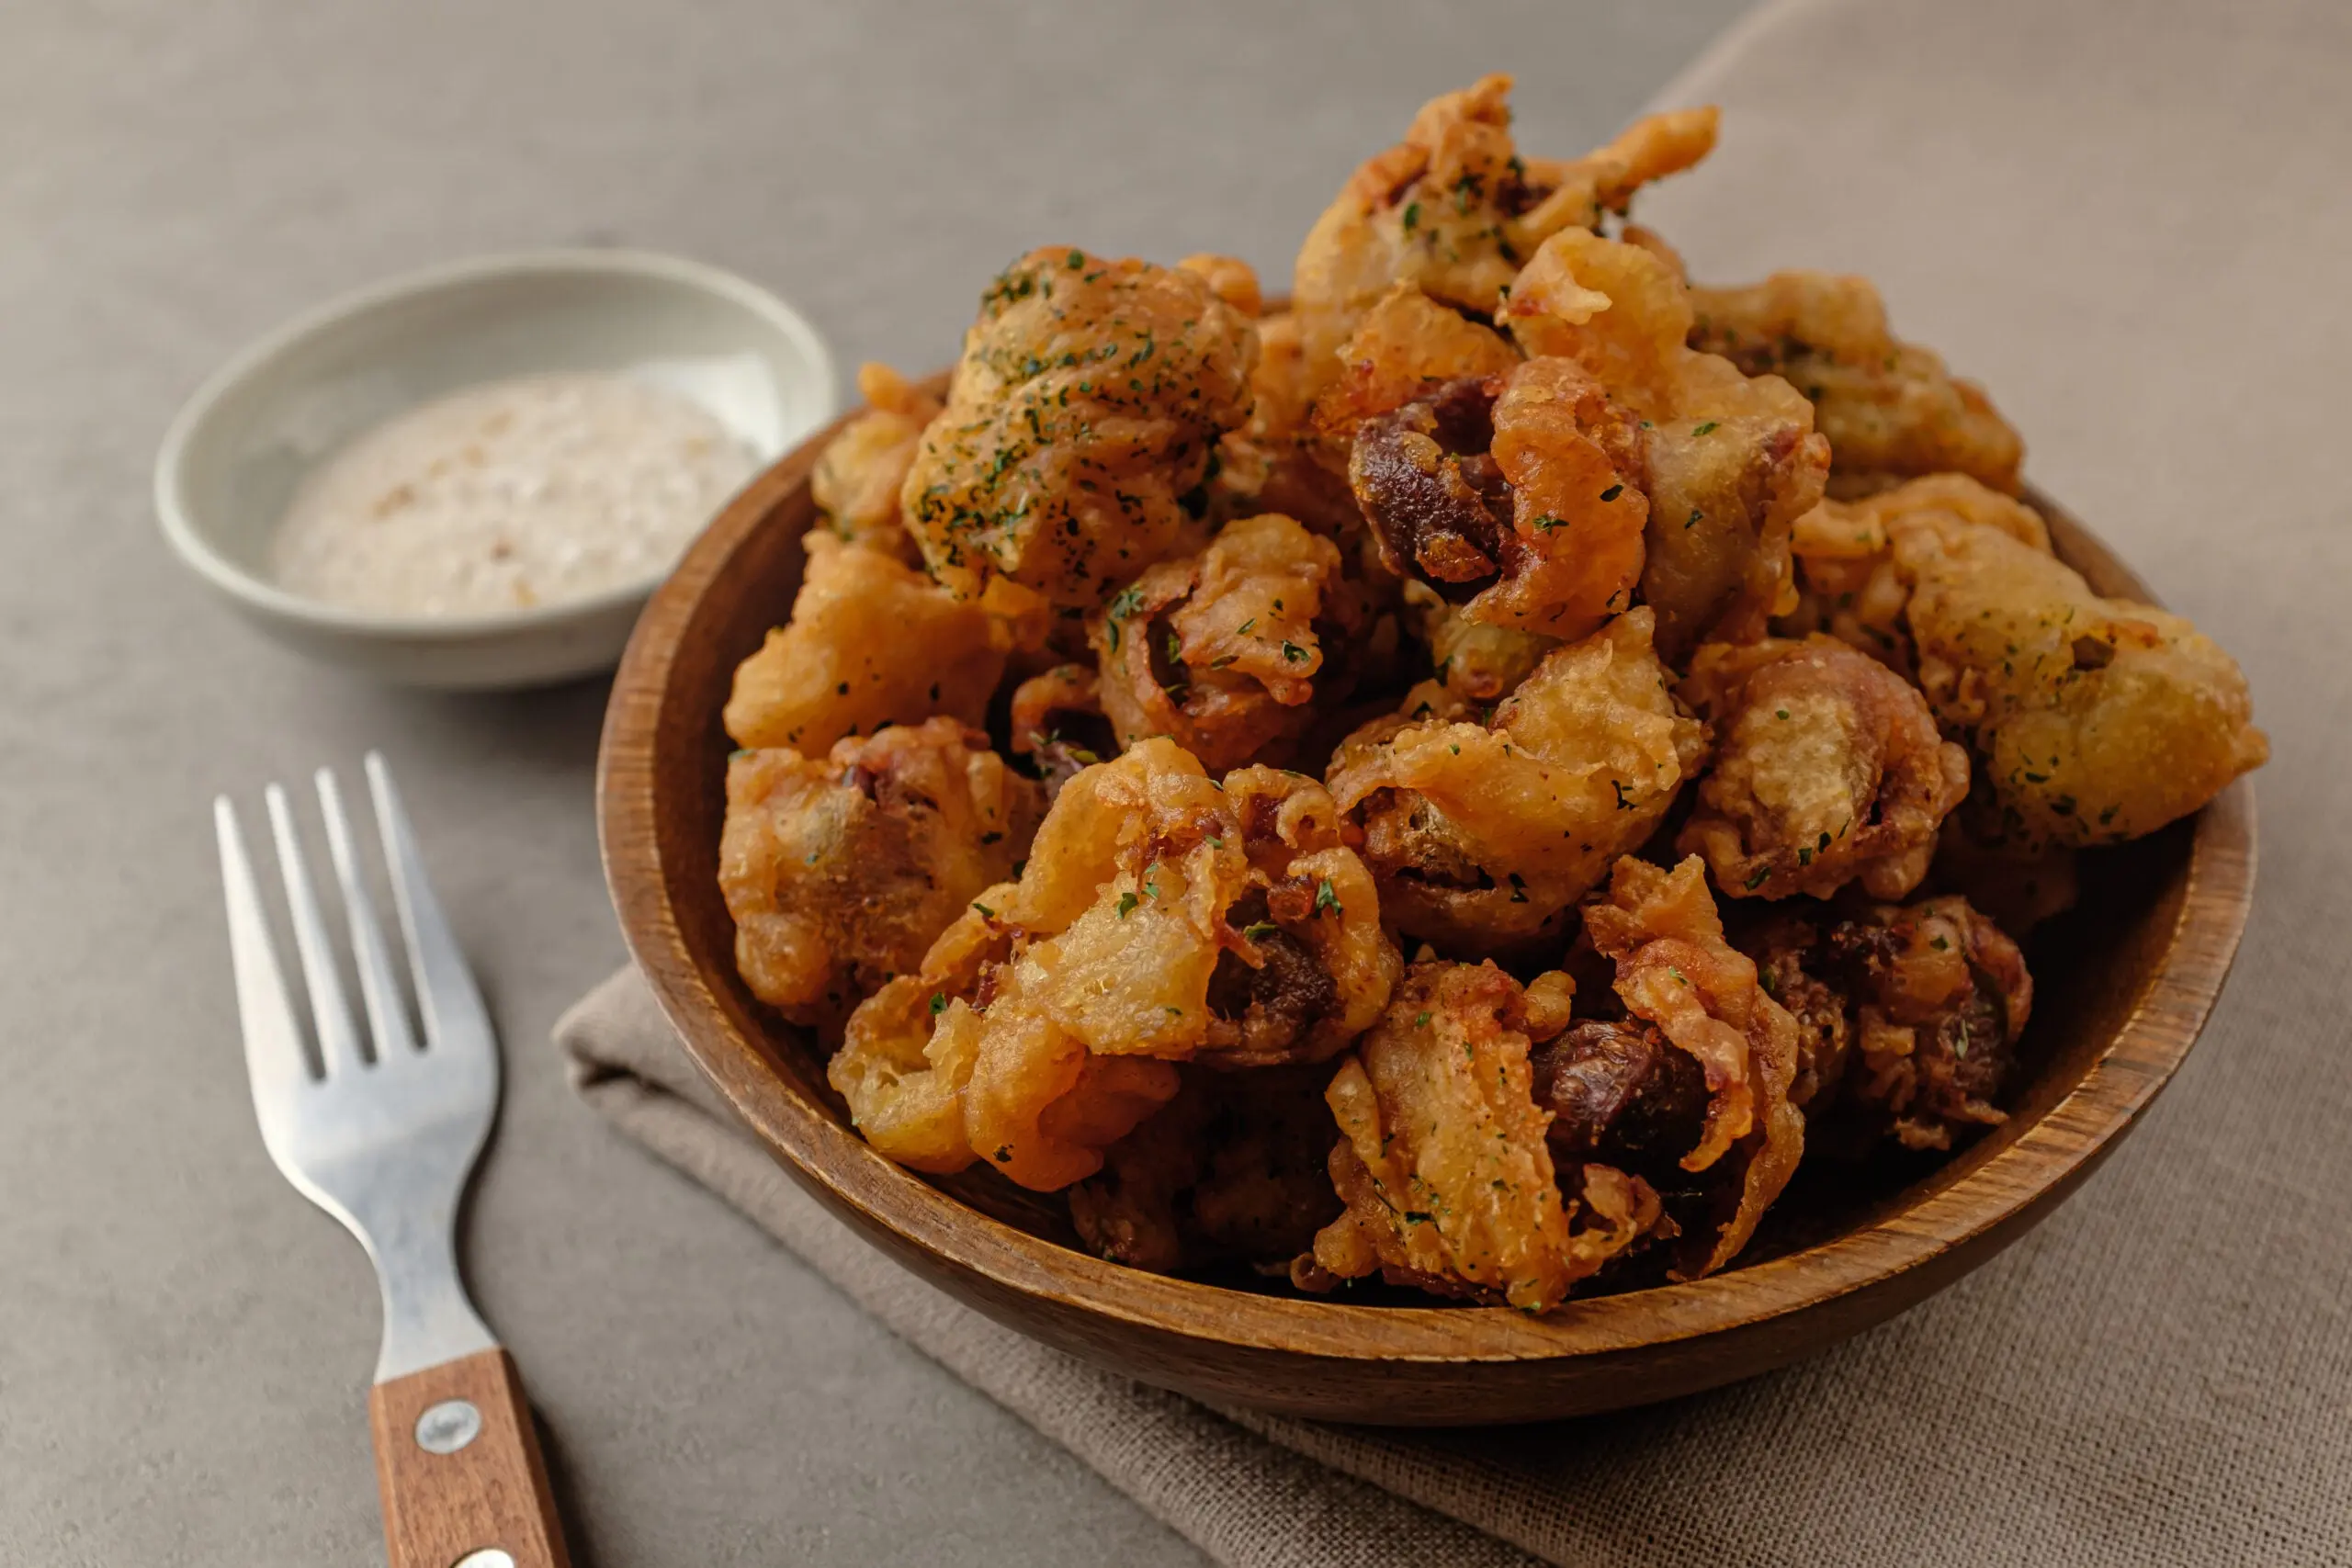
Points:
[(2121, 993)]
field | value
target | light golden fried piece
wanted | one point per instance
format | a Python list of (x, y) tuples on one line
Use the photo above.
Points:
[(1230, 278), (1478, 663), (1675, 970), (841, 873), (1516, 493), (1732, 460), (2096, 720), (1453, 209), (1828, 769), (1078, 426), (1849, 585), (1223, 651), (1890, 409), (1159, 918), (907, 1051), (1406, 348), (871, 642), (1229, 924), (1448, 1180), (1485, 833), (1233, 1168), (1915, 1010), (1274, 463), (858, 476)]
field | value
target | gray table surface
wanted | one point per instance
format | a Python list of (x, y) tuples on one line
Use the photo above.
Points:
[(184, 1343)]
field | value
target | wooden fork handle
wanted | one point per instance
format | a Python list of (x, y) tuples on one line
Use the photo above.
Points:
[(459, 1469)]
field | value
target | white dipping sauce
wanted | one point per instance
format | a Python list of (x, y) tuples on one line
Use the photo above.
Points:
[(509, 494)]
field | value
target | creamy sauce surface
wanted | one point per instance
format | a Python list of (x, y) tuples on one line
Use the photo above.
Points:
[(532, 491)]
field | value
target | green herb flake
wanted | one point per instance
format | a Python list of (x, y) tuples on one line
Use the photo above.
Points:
[(1612, 493), (1706, 429), (1326, 899), (938, 1003), (1127, 901)]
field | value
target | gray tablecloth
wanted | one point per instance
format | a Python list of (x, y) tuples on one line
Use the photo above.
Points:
[(184, 1343), (2131, 225)]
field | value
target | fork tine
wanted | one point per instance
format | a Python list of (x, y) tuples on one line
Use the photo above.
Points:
[(338, 1040), (273, 1041), (455, 1018), (378, 988)]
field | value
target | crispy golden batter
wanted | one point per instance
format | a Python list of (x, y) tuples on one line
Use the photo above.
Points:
[(1732, 460), (1675, 970), (1079, 427), (1889, 408), (1448, 1179), (1923, 1003), (1518, 493), (2096, 720), (1223, 651), (1227, 924), (1485, 833), (1478, 663), (859, 474), (1454, 210), (871, 642), (1235, 1166), (1849, 583), (907, 1051), (1159, 918), (841, 873), (1406, 346), (1828, 769)]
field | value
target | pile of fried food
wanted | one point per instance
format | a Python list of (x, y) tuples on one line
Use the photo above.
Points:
[(1464, 779)]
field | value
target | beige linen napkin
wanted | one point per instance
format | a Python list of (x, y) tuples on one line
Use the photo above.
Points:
[(2132, 223)]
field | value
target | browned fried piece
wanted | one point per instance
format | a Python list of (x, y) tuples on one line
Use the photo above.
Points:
[(1675, 970), (1732, 460), (858, 476), (1484, 830), (1233, 1168), (1828, 769), (1453, 209), (1517, 495), (1914, 1012), (1889, 408), (2018, 881), (841, 873), (1449, 1181), (1223, 651), (871, 642), (1159, 918), (1078, 426), (1056, 718)]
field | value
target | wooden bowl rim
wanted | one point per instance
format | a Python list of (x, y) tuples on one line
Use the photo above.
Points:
[(830, 1160)]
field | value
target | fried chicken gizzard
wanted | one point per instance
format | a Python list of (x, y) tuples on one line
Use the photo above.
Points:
[(2093, 720), (1709, 607), (1079, 427), (1161, 916)]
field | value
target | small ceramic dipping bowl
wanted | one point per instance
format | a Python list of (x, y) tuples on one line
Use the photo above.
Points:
[(234, 455)]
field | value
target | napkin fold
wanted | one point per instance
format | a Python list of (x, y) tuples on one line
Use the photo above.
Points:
[(2130, 221)]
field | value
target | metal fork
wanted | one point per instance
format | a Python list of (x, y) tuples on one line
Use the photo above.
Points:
[(384, 1143)]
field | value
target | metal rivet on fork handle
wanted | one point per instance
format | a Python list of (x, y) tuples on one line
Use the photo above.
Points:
[(487, 1557), (447, 1426)]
